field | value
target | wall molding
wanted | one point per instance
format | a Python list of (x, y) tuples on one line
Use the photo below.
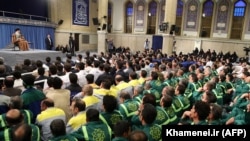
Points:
[(11, 20)]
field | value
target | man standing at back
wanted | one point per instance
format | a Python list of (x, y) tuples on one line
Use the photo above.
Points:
[(146, 45), (48, 42), (72, 45)]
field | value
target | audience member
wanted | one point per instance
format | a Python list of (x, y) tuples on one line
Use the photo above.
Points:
[(81, 74), (16, 103), (147, 117), (88, 65), (48, 61), (58, 131), (133, 80), (61, 97), (4, 102), (123, 86), (95, 70), (105, 75), (73, 87), (127, 106), (18, 82), (8, 87), (94, 129), (103, 90), (79, 115), (41, 77), (65, 77), (79, 59), (31, 96), (215, 115), (40, 64), (137, 135), (90, 81), (122, 130), (52, 74), (110, 115), (14, 118), (8, 68), (22, 132), (49, 85), (27, 65), (48, 114), (3, 72), (91, 101), (197, 115)]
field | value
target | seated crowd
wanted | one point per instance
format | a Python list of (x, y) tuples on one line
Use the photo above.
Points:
[(122, 96)]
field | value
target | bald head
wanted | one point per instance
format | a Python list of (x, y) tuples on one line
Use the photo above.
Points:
[(14, 117), (48, 102), (87, 90), (118, 78), (22, 132)]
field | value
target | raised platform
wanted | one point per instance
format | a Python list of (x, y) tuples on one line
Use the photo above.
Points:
[(12, 57)]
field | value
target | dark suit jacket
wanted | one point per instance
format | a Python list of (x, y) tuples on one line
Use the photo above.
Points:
[(103, 77), (48, 44), (123, 74)]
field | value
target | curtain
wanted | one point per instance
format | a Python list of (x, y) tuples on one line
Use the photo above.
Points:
[(34, 34)]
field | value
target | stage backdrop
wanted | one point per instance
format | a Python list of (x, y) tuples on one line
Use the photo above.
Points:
[(34, 34), (80, 12)]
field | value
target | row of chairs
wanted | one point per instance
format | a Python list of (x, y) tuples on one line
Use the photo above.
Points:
[(39, 82)]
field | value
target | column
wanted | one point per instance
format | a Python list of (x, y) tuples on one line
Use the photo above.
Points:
[(168, 44), (170, 12), (53, 11), (102, 34), (170, 17), (102, 12), (101, 44)]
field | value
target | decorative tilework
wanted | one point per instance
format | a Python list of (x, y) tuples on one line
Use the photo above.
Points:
[(222, 16), (162, 11), (139, 17), (192, 14)]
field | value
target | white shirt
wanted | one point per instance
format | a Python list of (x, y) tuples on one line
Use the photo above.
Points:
[(88, 69), (65, 79), (49, 41), (146, 45), (209, 63), (96, 72), (81, 77), (18, 83), (45, 85)]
